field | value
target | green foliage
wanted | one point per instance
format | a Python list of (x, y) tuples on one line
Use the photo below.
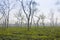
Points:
[(41, 33)]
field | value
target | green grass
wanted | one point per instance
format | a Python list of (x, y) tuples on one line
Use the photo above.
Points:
[(41, 33)]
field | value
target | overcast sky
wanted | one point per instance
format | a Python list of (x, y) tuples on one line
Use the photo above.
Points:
[(44, 6)]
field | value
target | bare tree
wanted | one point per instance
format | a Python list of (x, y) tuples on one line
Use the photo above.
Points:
[(2, 11), (34, 23), (38, 20), (43, 19), (27, 7), (52, 18), (56, 21), (20, 17), (7, 8), (34, 9)]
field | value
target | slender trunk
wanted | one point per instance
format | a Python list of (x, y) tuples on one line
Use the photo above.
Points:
[(28, 24), (5, 22), (31, 22), (56, 21), (21, 23), (42, 22), (37, 24), (8, 19)]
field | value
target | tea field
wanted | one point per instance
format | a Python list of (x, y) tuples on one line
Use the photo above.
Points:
[(41, 33)]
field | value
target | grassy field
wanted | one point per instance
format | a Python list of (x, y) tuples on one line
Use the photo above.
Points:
[(41, 33)]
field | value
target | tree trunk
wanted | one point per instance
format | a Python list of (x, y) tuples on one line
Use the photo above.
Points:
[(8, 19), (28, 25), (31, 22), (21, 23)]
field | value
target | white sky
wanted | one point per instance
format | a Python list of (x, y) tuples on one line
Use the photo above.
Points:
[(44, 6)]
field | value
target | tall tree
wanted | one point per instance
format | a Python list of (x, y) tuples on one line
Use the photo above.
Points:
[(38, 20), (27, 7), (43, 19), (7, 5), (3, 13), (20, 17), (52, 18), (56, 21)]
